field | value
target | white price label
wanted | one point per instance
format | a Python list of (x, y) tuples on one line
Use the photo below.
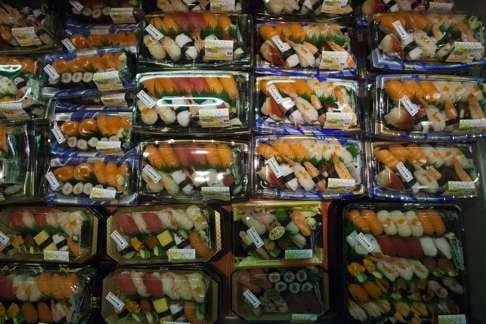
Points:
[(50, 255), (154, 32), (181, 254), (365, 242), (102, 193), (251, 298), (222, 5), (116, 302), (68, 45), (412, 108), (404, 172), (108, 145), (26, 36), (13, 111), (339, 119), (440, 6), (472, 123), (281, 45), (214, 117), (52, 180), (58, 135), (218, 50), (217, 193), (334, 60), (122, 15), (255, 237), (340, 183), (304, 317), (76, 5), (51, 72), (402, 33), (119, 240), (114, 100), (172, 322), (153, 174), (274, 166), (452, 319), (108, 81), (146, 99), (461, 185), (4, 239), (274, 93), (294, 254), (335, 3), (100, 30)]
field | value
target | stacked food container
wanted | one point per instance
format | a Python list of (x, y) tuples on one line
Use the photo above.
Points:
[(189, 161)]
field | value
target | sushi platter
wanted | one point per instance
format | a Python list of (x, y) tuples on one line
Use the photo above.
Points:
[(233, 161)]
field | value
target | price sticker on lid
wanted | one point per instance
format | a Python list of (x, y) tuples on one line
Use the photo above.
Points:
[(58, 135), (122, 15), (150, 172), (62, 256), (274, 93), (52, 180), (452, 319), (68, 45), (214, 117), (116, 302), (51, 72), (334, 60), (146, 99), (114, 100), (119, 240), (218, 50), (108, 145), (255, 237), (275, 167), (100, 30), (216, 193), (402, 33), (294, 254), (333, 183), (412, 108), (404, 172), (222, 5), (181, 254), (101, 193), (339, 119), (251, 298), (26, 36), (281, 45), (303, 318), (365, 242), (108, 81), (154, 32), (461, 186)]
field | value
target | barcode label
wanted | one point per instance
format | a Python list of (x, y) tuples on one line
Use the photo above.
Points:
[(119, 240), (404, 172), (101, 193), (274, 93), (400, 30), (108, 145), (181, 254), (116, 302), (154, 32), (50, 255), (51, 72), (340, 183), (68, 45), (412, 108), (76, 5), (122, 15), (58, 135), (365, 242), (146, 99), (251, 299), (4, 239), (52, 180), (281, 45), (275, 167), (255, 237), (153, 174)]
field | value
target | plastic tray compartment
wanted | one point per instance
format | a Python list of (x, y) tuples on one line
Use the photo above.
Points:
[(422, 172), (198, 39), (280, 294), (414, 41), (164, 234), (153, 296), (272, 233), (300, 167), (203, 101), (429, 107), (37, 234), (404, 262), (300, 105), (194, 170), (304, 46), (33, 293)]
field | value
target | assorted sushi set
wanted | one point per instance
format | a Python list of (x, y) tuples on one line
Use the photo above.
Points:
[(404, 263), (150, 234), (142, 133)]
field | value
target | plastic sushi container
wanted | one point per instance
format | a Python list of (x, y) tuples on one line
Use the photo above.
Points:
[(220, 6), (300, 167), (36, 234), (273, 233), (160, 296), (104, 69), (102, 131), (164, 234), (422, 172), (78, 178), (301, 105), (306, 8), (304, 47), (193, 102), (412, 41), (34, 293), (431, 107), (366, 10), (87, 99), (298, 294), (19, 91), (194, 170), (26, 29), (403, 262), (80, 37), (196, 39), (105, 11)]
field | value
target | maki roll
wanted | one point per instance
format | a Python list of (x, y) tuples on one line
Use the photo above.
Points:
[(289, 276), (281, 286), (294, 288), (66, 78), (301, 275), (78, 188), (87, 77), (274, 277), (77, 77), (306, 287)]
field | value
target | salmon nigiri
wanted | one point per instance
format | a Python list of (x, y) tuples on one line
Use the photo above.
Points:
[(358, 221), (210, 19), (152, 154), (168, 154), (212, 155), (229, 86), (214, 85), (149, 85), (385, 157)]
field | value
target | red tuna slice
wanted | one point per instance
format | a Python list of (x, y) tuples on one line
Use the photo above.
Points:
[(6, 288), (386, 245), (401, 247), (198, 154), (414, 248), (244, 279), (124, 282), (181, 20), (183, 85), (260, 278), (183, 155), (152, 221), (15, 219), (199, 84), (153, 285), (40, 219), (126, 224), (196, 20)]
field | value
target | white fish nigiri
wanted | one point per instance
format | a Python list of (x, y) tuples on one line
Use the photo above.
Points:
[(428, 246), (305, 180), (137, 279), (443, 246)]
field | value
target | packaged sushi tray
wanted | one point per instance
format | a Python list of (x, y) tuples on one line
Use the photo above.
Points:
[(194, 170), (47, 234), (430, 107), (164, 234), (312, 46), (204, 101), (70, 100), (271, 233), (370, 7), (32, 293), (107, 130), (78, 178), (105, 11), (196, 39), (26, 29), (160, 296), (79, 36), (280, 294), (300, 105), (307, 8), (219, 6), (403, 262), (422, 172), (427, 42), (299, 167), (104, 69)]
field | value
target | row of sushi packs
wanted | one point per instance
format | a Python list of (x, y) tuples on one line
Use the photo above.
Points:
[(404, 263)]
